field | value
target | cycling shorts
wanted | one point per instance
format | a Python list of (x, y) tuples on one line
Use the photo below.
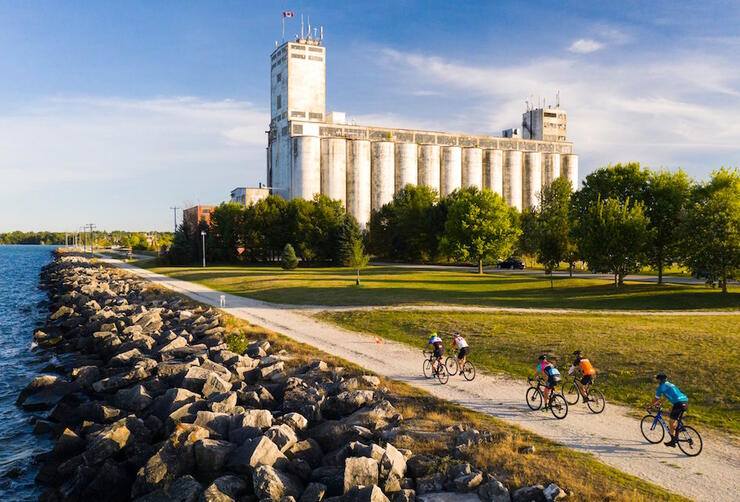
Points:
[(587, 380), (438, 352), (679, 409), (463, 352), (552, 381)]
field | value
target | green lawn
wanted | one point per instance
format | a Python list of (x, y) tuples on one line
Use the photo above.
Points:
[(699, 353), (387, 285)]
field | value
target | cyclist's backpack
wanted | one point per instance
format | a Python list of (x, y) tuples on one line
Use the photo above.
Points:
[(554, 371)]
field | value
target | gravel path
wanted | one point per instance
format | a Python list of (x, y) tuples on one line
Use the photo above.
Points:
[(613, 436)]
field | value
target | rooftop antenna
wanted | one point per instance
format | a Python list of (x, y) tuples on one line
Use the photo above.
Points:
[(314, 33), (557, 99), (309, 28), (321, 35), (301, 26)]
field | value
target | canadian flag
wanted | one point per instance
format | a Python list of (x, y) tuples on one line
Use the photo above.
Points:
[(288, 13)]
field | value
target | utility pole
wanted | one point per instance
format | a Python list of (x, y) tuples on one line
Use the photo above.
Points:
[(84, 242), (174, 213), (92, 238), (203, 237)]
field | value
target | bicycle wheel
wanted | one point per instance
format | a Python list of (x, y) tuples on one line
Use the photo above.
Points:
[(534, 398), (596, 401), (653, 432), (570, 393), (558, 406), (689, 441), (442, 374), (427, 368), (451, 365), (468, 371)]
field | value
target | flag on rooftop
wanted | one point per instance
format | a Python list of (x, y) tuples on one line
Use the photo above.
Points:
[(288, 13)]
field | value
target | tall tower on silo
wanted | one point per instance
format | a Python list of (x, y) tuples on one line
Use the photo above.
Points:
[(297, 92)]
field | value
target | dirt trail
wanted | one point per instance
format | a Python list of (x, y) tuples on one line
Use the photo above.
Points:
[(613, 436)]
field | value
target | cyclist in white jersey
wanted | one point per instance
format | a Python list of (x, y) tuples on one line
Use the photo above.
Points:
[(463, 349)]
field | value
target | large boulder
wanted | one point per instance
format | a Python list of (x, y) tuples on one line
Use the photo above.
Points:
[(254, 452), (270, 483), (211, 455), (360, 471), (171, 401), (493, 491), (44, 392), (307, 450), (364, 494), (529, 494), (184, 489), (227, 488), (111, 439), (217, 423), (135, 398), (314, 492), (346, 402), (282, 435), (215, 384), (393, 463)]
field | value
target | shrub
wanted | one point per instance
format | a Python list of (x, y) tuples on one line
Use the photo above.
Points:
[(288, 259)]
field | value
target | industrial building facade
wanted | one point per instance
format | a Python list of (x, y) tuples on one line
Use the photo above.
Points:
[(310, 151)]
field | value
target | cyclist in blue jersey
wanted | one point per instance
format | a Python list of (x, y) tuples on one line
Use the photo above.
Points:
[(438, 347), (552, 374), (666, 390)]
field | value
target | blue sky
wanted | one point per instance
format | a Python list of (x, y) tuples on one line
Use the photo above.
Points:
[(111, 112)]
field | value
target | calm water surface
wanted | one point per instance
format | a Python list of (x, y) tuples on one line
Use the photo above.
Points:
[(22, 309)]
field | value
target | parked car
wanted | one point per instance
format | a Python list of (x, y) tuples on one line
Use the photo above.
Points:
[(512, 263)]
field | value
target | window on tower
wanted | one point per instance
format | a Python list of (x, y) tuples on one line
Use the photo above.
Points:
[(279, 101)]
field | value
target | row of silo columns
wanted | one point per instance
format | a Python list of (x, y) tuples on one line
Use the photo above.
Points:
[(365, 175)]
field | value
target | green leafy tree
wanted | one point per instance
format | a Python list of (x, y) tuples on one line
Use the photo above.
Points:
[(619, 182), (358, 259), (712, 228), (265, 229), (181, 249), (613, 237), (528, 242), (224, 236), (666, 197), (480, 226), (554, 243), (288, 259)]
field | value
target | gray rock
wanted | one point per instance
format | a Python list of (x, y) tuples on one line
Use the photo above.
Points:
[(272, 371), (364, 494), (553, 492), (195, 378), (127, 358), (114, 438), (447, 497), (63, 311), (214, 384), (405, 495), (217, 423), (392, 463), (184, 489), (430, 484), (85, 376), (308, 450), (283, 436), (68, 445), (254, 452), (223, 402), (176, 343), (360, 471), (273, 484), (225, 489), (97, 411), (314, 492), (295, 420), (44, 392), (346, 402), (529, 494), (493, 491), (211, 455), (172, 400), (135, 398), (468, 482), (358, 449)]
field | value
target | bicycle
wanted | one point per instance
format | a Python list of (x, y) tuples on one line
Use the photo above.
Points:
[(557, 403), (427, 367), (571, 392), (468, 369), (687, 438)]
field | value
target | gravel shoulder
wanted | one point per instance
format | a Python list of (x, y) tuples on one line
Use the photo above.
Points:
[(613, 437)]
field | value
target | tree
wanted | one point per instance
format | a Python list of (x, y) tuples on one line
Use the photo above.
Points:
[(554, 243), (288, 259), (357, 257), (349, 233), (666, 196), (619, 182), (179, 253), (223, 235), (528, 242), (712, 228), (613, 237), (480, 226)]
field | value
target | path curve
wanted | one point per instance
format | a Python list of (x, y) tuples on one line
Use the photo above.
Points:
[(613, 436)]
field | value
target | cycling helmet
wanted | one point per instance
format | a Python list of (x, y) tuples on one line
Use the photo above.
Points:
[(542, 357), (432, 334), (577, 353), (661, 377)]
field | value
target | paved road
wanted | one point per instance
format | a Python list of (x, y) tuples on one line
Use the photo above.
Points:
[(613, 437)]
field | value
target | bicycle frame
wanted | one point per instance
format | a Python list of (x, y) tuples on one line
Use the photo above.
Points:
[(660, 420)]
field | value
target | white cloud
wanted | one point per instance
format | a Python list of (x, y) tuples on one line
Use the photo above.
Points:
[(645, 109), (127, 158), (585, 46)]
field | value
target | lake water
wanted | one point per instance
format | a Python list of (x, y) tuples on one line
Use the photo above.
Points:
[(22, 309)]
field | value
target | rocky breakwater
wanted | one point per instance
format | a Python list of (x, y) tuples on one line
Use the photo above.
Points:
[(148, 402)]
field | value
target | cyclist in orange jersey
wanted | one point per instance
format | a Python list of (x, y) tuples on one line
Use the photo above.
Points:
[(587, 370)]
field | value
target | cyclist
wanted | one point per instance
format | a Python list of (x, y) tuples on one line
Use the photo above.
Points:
[(438, 347), (587, 370), (552, 374), (463, 349), (666, 390)]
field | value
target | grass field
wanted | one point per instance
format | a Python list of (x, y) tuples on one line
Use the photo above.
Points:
[(385, 285), (699, 353), (583, 476)]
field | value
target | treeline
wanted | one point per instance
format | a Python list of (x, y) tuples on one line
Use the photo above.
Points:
[(152, 241), (622, 218), (319, 230)]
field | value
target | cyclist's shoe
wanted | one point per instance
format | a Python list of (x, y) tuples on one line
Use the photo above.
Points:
[(586, 399), (671, 443), (544, 409)]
